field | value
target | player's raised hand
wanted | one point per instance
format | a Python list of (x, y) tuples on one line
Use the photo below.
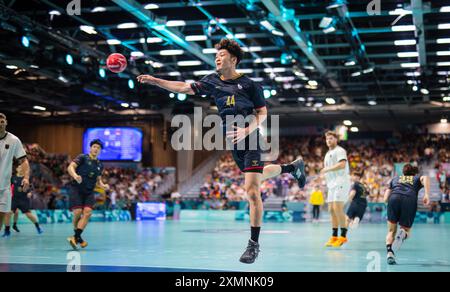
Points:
[(148, 79)]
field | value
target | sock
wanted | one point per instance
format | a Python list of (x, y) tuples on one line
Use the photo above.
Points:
[(287, 168), (344, 232), (7, 229), (335, 232), (389, 248), (15, 227), (78, 234), (37, 225), (255, 233)]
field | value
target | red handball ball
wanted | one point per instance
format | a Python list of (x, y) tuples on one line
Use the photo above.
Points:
[(116, 63)]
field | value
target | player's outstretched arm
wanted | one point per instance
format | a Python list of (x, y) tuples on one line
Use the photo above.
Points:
[(425, 180), (173, 86)]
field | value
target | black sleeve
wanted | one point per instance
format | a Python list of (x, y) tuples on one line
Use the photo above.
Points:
[(258, 96), (204, 86), (418, 182), (79, 159)]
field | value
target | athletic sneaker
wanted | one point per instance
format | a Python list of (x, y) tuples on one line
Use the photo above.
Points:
[(299, 172), (15, 228), (6, 234), (391, 258), (340, 241), (72, 242), (331, 241), (251, 253), (83, 243), (39, 230), (399, 239)]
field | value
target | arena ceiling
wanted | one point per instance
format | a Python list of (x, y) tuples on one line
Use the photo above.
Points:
[(312, 57)]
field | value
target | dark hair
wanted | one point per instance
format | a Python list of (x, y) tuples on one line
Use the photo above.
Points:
[(358, 173), (232, 47), (2, 116), (331, 133), (97, 142), (410, 170)]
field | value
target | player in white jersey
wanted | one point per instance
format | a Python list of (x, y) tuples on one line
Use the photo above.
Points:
[(337, 175), (10, 148)]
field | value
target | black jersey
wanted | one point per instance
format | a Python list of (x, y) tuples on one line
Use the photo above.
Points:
[(89, 170), (408, 186), (239, 96)]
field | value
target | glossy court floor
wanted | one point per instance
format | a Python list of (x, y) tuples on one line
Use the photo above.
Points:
[(200, 245)]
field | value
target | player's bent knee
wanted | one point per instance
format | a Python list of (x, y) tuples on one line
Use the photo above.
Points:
[(253, 194), (87, 212), (331, 209)]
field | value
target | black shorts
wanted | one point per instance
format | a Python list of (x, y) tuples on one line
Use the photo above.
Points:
[(23, 205), (249, 159), (402, 210), (81, 199), (356, 210)]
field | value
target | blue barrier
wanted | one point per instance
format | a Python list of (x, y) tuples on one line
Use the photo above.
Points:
[(65, 216)]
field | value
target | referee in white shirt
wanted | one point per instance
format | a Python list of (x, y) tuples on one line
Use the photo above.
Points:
[(337, 176), (10, 148)]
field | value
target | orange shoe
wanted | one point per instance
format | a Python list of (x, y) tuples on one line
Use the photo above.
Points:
[(339, 242), (83, 244), (72, 242), (331, 241)]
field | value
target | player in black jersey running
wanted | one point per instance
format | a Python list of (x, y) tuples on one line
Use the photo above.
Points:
[(236, 94), (401, 198), (20, 201)]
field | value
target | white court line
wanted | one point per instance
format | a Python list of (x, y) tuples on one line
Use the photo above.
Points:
[(28, 257)]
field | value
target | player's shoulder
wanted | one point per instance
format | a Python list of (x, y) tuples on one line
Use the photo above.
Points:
[(340, 148), (248, 81), (212, 76), (80, 157), (10, 137)]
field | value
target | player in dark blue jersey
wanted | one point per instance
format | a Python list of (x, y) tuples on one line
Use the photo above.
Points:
[(236, 94), (358, 199), (86, 171), (401, 198), (20, 201)]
